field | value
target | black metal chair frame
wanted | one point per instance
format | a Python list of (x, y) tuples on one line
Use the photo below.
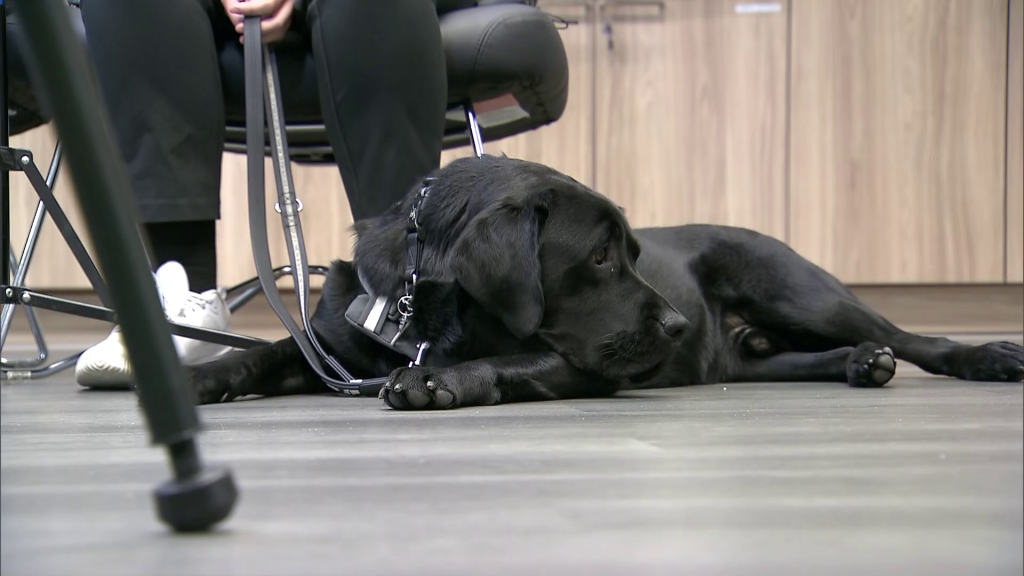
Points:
[(198, 496)]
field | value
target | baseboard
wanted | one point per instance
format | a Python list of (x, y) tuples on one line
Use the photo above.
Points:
[(949, 308)]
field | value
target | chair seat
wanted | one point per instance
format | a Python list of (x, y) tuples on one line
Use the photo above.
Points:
[(494, 50), (506, 49)]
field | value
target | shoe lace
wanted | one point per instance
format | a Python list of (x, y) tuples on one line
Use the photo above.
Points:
[(192, 303)]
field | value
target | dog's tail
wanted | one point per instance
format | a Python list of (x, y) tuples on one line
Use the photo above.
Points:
[(275, 369)]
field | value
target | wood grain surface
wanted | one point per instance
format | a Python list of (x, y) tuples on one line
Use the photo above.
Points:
[(898, 138), (691, 114)]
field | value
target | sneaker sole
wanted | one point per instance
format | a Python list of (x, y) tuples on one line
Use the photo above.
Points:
[(119, 377), (105, 375)]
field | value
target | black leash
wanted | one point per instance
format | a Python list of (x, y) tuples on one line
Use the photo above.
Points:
[(262, 95)]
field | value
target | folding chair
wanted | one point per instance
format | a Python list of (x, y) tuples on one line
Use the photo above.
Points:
[(497, 51)]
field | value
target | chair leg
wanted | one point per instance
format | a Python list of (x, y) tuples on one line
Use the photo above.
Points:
[(5, 182), (474, 129), (42, 352), (198, 496), (21, 267), (21, 160), (32, 368)]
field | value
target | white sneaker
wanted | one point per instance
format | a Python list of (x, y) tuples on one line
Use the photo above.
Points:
[(107, 364)]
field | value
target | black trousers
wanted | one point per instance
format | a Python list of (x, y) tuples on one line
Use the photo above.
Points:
[(380, 75)]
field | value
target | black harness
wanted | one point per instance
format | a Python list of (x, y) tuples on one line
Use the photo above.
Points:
[(384, 319)]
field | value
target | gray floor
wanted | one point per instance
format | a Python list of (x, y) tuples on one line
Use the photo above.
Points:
[(923, 477)]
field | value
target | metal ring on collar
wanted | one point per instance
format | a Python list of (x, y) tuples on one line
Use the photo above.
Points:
[(405, 305)]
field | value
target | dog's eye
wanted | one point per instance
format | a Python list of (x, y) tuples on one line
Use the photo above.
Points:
[(600, 255)]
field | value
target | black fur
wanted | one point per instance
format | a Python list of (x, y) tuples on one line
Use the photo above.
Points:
[(534, 287)]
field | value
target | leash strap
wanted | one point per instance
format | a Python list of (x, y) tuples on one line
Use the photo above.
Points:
[(262, 94)]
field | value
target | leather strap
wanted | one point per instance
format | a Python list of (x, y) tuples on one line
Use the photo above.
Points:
[(262, 94)]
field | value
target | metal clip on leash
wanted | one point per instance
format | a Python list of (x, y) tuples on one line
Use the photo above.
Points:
[(262, 94)]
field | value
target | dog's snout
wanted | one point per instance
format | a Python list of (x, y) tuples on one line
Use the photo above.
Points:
[(674, 324)]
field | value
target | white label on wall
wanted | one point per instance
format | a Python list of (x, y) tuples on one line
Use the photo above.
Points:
[(758, 8)]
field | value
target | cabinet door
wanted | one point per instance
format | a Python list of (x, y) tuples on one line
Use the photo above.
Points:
[(53, 266), (898, 138), (1015, 148), (567, 144), (691, 109)]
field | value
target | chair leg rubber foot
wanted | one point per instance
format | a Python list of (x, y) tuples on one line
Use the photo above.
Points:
[(197, 503)]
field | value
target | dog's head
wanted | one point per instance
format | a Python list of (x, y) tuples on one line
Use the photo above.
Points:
[(554, 260)]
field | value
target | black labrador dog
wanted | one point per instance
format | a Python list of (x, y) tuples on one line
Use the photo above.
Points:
[(533, 287)]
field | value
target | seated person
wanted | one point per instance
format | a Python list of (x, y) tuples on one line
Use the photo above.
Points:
[(383, 91)]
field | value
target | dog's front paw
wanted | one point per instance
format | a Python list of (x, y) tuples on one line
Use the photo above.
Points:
[(418, 388), (992, 362), (870, 366)]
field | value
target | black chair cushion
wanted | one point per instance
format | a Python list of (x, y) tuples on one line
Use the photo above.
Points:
[(501, 48)]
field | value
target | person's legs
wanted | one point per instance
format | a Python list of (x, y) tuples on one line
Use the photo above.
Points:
[(383, 89), (158, 74), (157, 68), (193, 243)]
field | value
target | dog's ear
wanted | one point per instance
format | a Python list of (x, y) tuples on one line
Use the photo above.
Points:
[(496, 261)]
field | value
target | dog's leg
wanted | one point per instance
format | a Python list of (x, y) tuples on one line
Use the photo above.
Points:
[(498, 380), (273, 370), (847, 321), (866, 366), (776, 289)]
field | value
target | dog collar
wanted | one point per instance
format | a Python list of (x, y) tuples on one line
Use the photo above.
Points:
[(386, 319), (414, 249)]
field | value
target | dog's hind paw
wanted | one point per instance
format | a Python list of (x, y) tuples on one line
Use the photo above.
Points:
[(418, 388), (992, 362), (870, 366)]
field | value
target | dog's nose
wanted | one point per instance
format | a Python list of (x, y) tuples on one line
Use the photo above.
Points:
[(674, 324)]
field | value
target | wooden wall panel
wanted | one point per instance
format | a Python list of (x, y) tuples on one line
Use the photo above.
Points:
[(1015, 148), (566, 145), (326, 219), (898, 138), (691, 114)]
